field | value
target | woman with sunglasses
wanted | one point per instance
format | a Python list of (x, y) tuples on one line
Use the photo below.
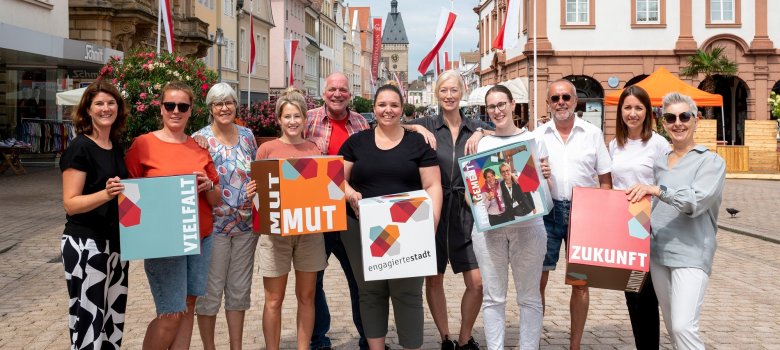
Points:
[(634, 150), (92, 167), (305, 252), (688, 188), (232, 148), (176, 282), (455, 136), (519, 245)]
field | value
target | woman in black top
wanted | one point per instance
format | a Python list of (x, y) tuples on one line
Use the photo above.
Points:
[(454, 136), (91, 168), (378, 162), (518, 203)]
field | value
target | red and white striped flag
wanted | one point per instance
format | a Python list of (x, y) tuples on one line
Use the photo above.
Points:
[(167, 20), (446, 21), (291, 45), (400, 86), (507, 37), (447, 63), (252, 49)]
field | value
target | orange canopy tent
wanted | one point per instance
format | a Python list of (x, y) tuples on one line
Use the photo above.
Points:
[(661, 82)]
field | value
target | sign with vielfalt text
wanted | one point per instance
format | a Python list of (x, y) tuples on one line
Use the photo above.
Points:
[(505, 185), (158, 217)]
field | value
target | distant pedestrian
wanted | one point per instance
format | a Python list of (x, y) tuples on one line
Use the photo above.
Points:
[(688, 189), (634, 150), (92, 167), (232, 148)]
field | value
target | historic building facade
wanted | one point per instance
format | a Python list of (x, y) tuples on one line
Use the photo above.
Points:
[(395, 48), (604, 45)]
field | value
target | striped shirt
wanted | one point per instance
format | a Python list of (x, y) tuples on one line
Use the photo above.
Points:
[(318, 128)]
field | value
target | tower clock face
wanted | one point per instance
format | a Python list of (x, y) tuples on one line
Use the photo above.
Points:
[(394, 57)]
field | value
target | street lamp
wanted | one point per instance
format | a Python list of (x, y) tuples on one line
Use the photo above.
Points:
[(220, 41)]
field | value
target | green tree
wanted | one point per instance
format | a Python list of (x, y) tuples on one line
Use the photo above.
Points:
[(408, 109), (361, 105), (421, 109), (711, 63)]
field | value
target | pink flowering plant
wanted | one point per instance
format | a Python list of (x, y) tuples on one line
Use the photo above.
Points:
[(140, 77), (261, 118)]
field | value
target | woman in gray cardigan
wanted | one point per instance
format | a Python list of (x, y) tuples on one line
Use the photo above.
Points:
[(688, 190)]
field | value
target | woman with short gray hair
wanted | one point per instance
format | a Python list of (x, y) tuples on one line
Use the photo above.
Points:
[(688, 190), (232, 147)]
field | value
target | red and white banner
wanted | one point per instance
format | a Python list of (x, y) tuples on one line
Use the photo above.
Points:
[(507, 37), (446, 21), (252, 50), (167, 20), (291, 45), (437, 71), (400, 85), (377, 54), (447, 63)]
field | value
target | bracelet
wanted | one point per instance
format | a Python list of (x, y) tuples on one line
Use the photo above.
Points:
[(212, 187)]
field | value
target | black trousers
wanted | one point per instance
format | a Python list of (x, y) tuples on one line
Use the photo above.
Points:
[(643, 311)]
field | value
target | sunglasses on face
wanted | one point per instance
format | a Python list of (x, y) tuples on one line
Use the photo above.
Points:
[(684, 117), (556, 98), (170, 106)]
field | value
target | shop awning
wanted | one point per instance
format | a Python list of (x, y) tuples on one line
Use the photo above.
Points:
[(70, 97), (519, 89), (477, 97)]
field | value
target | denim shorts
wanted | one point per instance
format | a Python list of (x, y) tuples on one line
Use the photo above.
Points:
[(172, 279), (557, 225)]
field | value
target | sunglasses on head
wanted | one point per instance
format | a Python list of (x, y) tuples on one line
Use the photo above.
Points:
[(556, 98), (684, 117), (170, 106)]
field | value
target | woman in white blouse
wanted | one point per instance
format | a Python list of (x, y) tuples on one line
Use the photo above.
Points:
[(634, 151)]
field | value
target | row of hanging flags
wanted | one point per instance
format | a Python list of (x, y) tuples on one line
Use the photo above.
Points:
[(506, 38)]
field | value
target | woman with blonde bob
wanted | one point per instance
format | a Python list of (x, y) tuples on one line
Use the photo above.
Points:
[(455, 136), (305, 252)]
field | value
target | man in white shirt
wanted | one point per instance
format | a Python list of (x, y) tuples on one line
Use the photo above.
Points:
[(578, 157)]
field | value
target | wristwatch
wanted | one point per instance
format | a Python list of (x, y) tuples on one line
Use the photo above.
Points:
[(212, 186), (480, 129), (663, 191)]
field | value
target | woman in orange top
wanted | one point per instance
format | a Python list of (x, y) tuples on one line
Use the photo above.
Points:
[(177, 281)]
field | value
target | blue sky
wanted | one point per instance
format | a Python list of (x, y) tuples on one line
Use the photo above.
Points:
[(420, 19)]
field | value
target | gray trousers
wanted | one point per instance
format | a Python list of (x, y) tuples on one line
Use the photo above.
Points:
[(375, 296)]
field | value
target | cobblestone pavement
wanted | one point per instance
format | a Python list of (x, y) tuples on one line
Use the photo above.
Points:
[(738, 312)]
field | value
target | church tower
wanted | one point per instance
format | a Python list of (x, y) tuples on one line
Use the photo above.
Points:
[(395, 47)]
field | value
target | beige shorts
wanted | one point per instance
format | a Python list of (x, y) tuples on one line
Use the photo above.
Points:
[(305, 252), (230, 274)]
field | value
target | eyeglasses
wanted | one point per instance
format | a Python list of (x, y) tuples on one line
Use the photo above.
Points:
[(670, 118), (220, 105), (170, 106), (556, 98), (501, 106)]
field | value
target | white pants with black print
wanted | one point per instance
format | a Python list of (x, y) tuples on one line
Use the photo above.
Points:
[(521, 247), (97, 286)]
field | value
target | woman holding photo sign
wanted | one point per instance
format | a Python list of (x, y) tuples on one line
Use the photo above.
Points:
[(305, 252), (176, 282), (521, 245), (92, 167), (688, 186), (378, 162)]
